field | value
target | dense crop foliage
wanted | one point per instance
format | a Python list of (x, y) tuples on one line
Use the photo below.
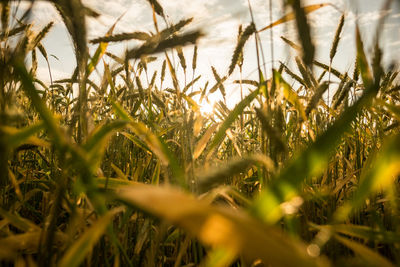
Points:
[(126, 171)]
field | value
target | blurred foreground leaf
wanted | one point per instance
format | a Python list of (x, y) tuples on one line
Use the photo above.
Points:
[(234, 231)]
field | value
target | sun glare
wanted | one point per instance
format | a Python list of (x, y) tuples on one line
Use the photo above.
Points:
[(207, 107)]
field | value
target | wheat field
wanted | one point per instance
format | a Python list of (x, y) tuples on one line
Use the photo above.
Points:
[(127, 170)]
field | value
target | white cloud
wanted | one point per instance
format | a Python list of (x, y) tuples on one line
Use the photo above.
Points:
[(43, 74), (42, 13), (396, 15), (371, 17)]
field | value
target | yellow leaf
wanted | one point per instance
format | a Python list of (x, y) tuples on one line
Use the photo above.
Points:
[(235, 231), (290, 94), (203, 141), (291, 16)]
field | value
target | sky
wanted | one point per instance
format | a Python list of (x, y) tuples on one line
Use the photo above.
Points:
[(219, 20)]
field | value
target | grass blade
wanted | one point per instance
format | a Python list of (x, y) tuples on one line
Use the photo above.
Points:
[(239, 108), (290, 95), (362, 62), (303, 29), (201, 144), (292, 15), (221, 174)]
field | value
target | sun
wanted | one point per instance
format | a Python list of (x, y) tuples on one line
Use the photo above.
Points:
[(207, 107)]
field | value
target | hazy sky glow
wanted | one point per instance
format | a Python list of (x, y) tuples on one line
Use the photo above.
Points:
[(219, 19)]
